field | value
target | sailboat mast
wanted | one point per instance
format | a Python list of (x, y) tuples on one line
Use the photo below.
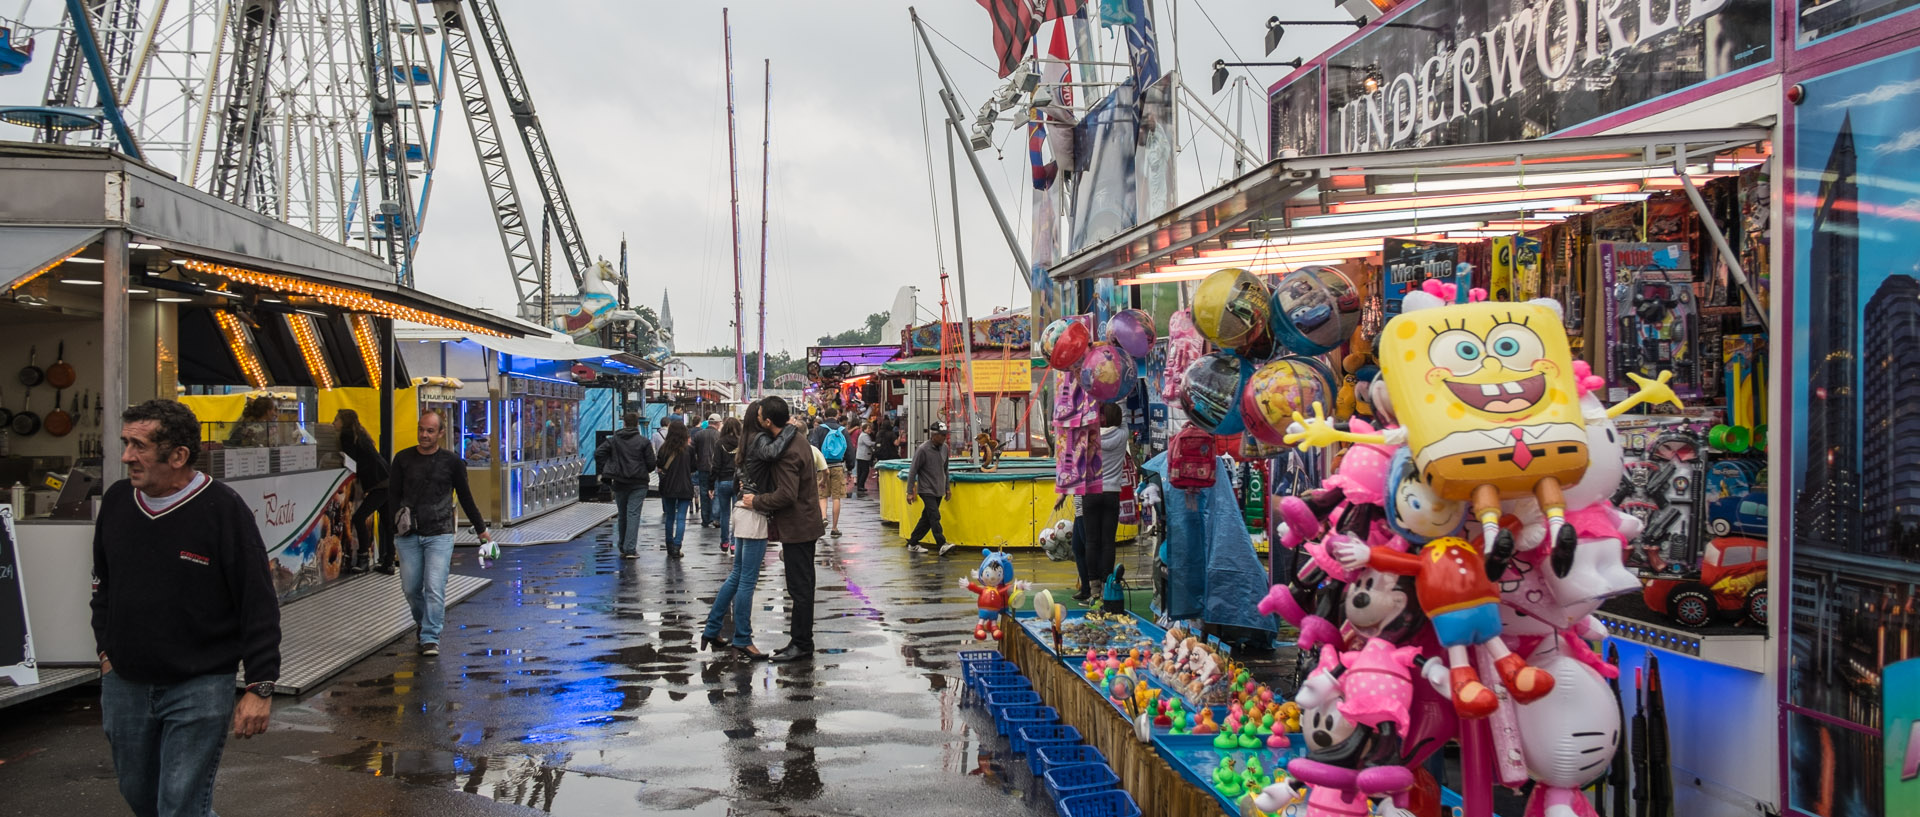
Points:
[(733, 182), (766, 153)]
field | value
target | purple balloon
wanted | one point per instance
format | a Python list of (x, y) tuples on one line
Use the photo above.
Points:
[(1132, 331), (1107, 373)]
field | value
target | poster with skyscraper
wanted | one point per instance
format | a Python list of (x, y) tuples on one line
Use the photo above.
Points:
[(1855, 450)]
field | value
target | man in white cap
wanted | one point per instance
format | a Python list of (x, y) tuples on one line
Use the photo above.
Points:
[(927, 480)]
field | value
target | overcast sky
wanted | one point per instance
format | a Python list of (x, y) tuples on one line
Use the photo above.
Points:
[(632, 96)]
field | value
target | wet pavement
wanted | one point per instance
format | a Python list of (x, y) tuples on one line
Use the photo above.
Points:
[(572, 686)]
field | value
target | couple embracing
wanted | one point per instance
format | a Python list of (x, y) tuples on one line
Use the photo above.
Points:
[(778, 486)]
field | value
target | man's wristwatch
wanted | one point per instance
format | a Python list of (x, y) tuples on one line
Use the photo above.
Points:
[(263, 689)]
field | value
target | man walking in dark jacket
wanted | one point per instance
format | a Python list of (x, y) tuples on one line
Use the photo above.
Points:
[(426, 478), (927, 481), (705, 442), (181, 595), (625, 458), (794, 521)]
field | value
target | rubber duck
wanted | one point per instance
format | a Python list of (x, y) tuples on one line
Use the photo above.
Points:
[(1229, 735), (1160, 717), (1266, 695), (1250, 736), (1178, 723), (1278, 739), (1254, 778), (1226, 781), (1205, 724)]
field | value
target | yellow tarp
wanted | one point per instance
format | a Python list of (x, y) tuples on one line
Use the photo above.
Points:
[(366, 401), (1006, 513)]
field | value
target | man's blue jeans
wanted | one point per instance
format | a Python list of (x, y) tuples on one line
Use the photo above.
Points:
[(703, 494), (737, 592), (627, 504), (723, 508), (166, 741), (425, 562), (673, 512)]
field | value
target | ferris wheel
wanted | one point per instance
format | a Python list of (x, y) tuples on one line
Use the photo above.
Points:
[(324, 114)]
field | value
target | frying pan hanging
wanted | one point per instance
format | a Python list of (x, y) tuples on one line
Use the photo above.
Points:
[(60, 374), (25, 422), (32, 375), (59, 423)]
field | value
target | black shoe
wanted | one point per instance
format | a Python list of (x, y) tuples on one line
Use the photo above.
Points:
[(1564, 546), (791, 653), (1082, 595), (356, 569), (708, 642), (673, 554), (387, 569)]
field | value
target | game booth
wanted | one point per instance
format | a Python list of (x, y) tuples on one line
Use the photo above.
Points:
[(150, 294), (1542, 311)]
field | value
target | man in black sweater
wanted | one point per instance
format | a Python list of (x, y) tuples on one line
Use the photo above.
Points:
[(705, 442), (425, 480), (181, 596)]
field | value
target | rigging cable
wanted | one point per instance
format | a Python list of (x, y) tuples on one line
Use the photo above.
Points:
[(926, 144)]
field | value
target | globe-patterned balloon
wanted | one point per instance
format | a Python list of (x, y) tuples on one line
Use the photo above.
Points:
[(1314, 310), (1050, 336), (1070, 346), (1232, 308), (1275, 392), (1132, 331), (1107, 373), (1211, 391)]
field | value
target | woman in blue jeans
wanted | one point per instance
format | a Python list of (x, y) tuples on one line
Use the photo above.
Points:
[(748, 552), (724, 479), (676, 485)]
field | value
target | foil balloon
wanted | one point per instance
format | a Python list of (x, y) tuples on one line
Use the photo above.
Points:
[(1210, 392), (1231, 308), (1314, 310), (1275, 392), (1107, 373), (1132, 331), (1050, 336), (1069, 346)]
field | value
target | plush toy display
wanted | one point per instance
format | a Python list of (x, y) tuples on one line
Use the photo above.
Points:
[(993, 582)]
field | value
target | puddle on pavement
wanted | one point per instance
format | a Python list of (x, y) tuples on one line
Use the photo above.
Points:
[(523, 780)]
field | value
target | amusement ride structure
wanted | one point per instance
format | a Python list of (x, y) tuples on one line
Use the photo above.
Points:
[(324, 114)]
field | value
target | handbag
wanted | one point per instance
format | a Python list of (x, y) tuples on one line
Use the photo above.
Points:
[(1129, 502), (748, 523), (403, 521)]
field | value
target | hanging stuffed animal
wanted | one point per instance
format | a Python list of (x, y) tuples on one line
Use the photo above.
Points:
[(993, 582), (1487, 398)]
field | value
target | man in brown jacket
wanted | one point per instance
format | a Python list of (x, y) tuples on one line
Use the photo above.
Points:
[(794, 522)]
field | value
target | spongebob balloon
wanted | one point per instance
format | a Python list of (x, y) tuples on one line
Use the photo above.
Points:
[(1488, 404)]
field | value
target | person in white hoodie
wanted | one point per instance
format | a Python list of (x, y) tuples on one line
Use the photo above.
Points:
[(1101, 512)]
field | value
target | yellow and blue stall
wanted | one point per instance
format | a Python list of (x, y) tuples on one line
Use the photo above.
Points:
[(1003, 508)]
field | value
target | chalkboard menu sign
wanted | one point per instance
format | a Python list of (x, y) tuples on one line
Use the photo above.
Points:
[(16, 640)]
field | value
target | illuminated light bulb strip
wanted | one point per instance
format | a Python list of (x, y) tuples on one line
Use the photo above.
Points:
[(242, 348), (342, 297), (364, 338), (28, 278), (309, 341)]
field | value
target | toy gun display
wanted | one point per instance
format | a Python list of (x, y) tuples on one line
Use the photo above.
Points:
[(1638, 746), (1658, 757), (1615, 783)]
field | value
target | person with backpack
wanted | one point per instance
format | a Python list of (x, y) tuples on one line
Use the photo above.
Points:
[(705, 441), (1102, 515), (831, 439), (625, 459)]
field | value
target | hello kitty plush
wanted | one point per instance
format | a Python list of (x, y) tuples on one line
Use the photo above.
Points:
[(993, 582)]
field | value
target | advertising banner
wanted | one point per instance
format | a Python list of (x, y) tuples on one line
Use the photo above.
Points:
[(1855, 361), (1294, 117), (1106, 145), (305, 519), (1820, 19), (1003, 376), (1452, 72), (1407, 263)]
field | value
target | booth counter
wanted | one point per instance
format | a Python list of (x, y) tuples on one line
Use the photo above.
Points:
[(1004, 508)]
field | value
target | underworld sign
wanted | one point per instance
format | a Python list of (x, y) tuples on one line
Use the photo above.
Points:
[(1469, 71)]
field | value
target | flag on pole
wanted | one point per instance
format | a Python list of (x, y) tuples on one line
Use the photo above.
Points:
[(1056, 77), (1143, 48), (1014, 25)]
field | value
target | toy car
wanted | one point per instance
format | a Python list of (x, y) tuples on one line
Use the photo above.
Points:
[(1732, 582), (1744, 515), (1309, 318)]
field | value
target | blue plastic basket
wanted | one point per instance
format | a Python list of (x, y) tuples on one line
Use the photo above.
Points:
[(999, 702), (977, 655), (1028, 738), (1109, 803), (1084, 778), (1046, 758), (971, 671), (1013, 718), (1008, 682)]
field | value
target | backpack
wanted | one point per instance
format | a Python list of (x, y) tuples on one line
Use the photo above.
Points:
[(1190, 460), (834, 446)]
